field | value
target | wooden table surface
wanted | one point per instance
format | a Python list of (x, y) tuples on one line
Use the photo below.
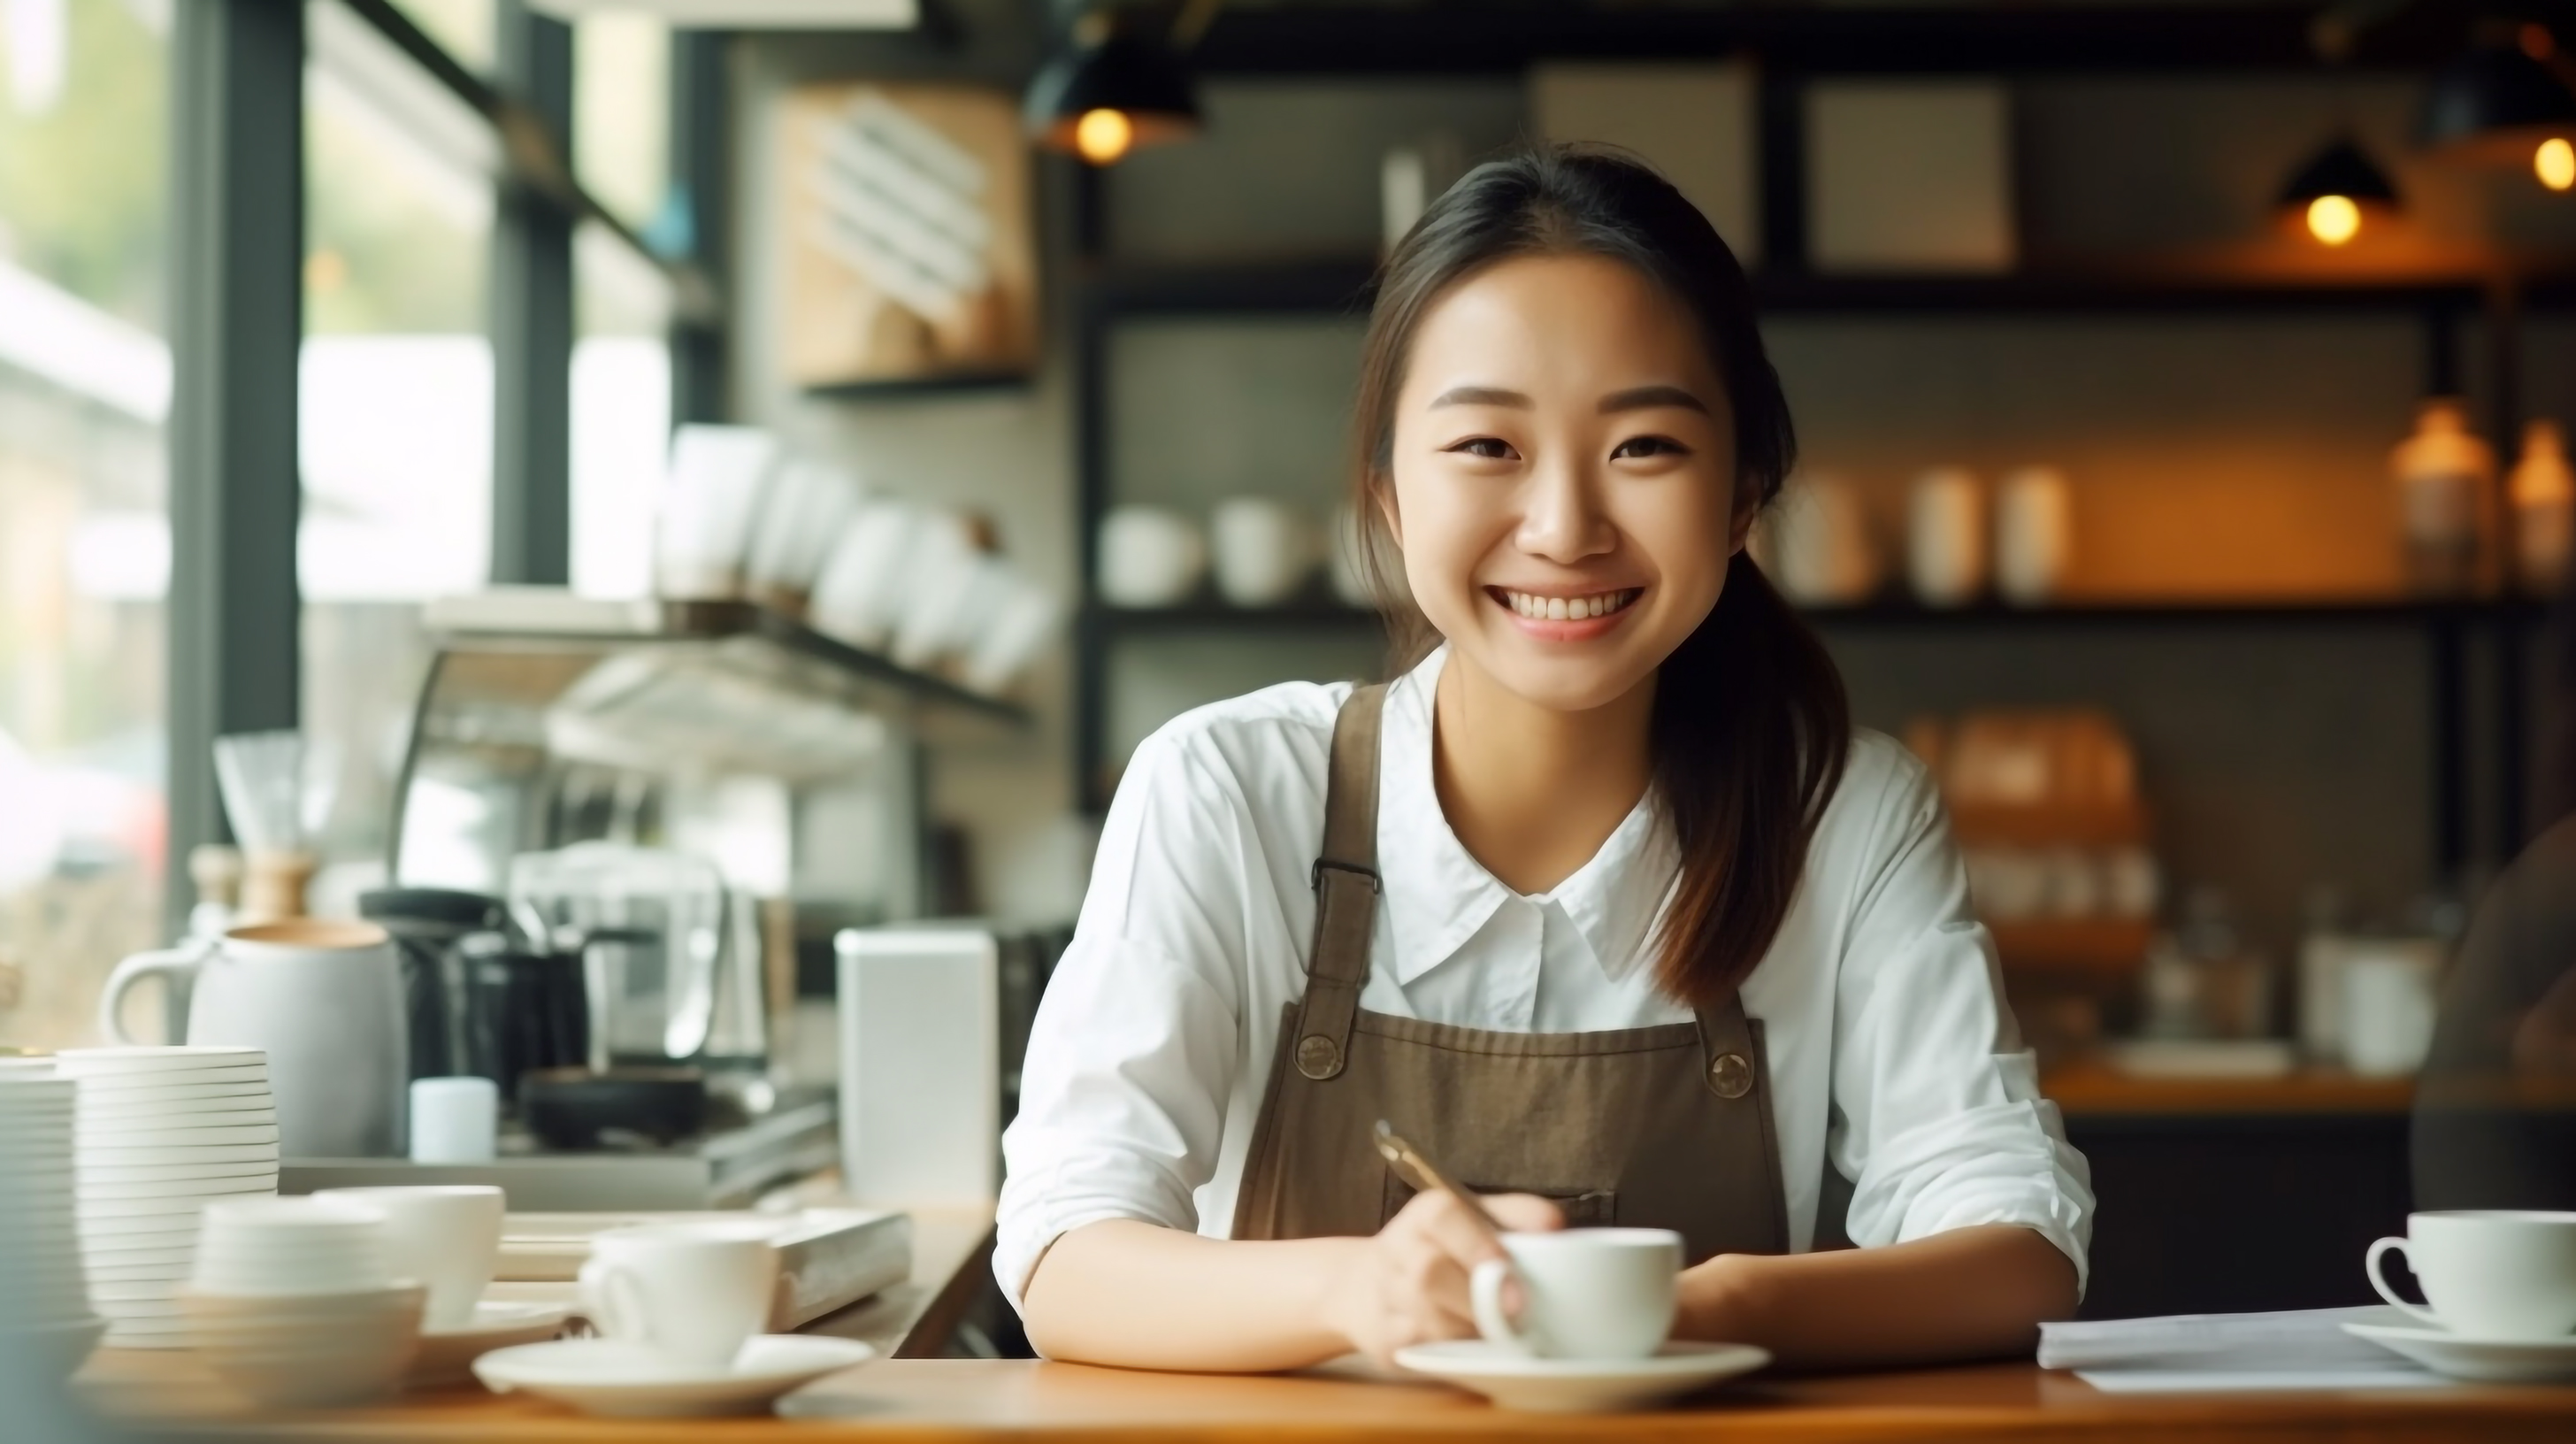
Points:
[(940, 1401), (907, 1400)]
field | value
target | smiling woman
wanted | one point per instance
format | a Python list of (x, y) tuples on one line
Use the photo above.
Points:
[(1602, 902)]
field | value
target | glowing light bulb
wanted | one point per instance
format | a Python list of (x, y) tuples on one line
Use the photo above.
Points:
[(2555, 164), (2334, 219), (1103, 135)]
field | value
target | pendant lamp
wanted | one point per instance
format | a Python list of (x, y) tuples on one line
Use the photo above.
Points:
[(1114, 90), (2504, 102), (2336, 192)]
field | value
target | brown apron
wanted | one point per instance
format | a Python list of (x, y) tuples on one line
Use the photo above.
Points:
[(1662, 1127)]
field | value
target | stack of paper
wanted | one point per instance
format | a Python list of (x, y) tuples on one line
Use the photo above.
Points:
[(2301, 1349)]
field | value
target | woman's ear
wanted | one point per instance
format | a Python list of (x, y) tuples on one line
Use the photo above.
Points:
[(1382, 491), (1748, 505)]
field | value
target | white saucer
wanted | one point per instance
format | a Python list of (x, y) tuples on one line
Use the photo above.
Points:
[(603, 1376), (446, 1354), (1580, 1386), (2490, 1361)]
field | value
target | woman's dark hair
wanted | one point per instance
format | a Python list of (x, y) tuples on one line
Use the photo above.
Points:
[(1750, 721)]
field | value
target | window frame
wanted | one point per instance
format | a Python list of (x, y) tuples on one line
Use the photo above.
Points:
[(237, 207)]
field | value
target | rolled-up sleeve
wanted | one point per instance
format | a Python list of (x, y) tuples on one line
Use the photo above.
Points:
[(1134, 1049), (1937, 1117)]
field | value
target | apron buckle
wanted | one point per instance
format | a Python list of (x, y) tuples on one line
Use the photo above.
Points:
[(1318, 1057), (1730, 1075)]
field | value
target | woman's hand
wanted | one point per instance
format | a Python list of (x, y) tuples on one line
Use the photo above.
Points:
[(1408, 1285)]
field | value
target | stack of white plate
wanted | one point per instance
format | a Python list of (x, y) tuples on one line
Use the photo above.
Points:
[(44, 1302), (294, 1301), (159, 1133)]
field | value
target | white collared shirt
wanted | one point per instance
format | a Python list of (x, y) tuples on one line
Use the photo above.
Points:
[(1891, 1050)]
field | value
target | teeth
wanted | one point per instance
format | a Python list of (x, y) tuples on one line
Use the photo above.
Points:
[(1568, 609)]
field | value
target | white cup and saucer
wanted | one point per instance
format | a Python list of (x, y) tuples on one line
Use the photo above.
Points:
[(680, 1309), (2501, 1285), (447, 1237), (1592, 1334)]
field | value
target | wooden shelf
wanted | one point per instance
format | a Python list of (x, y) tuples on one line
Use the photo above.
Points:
[(2093, 1088), (1206, 616), (2086, 949), (1465, 37), (911, 388), (1897, 612), (2266, 279)]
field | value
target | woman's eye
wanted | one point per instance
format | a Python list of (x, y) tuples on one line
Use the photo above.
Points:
[(1492, 448), (1650, 446)]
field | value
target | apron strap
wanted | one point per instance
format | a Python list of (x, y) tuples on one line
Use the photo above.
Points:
[(1346, 887), (1730, 1049)]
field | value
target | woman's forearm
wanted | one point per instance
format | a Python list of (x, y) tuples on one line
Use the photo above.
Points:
[(1970, 1293), (1148, 1297)]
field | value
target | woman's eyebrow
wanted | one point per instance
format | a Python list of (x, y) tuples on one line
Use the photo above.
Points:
[(1641, 398), (1479, 396)]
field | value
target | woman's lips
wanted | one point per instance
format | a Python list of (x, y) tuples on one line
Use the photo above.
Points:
[(1566, 616)]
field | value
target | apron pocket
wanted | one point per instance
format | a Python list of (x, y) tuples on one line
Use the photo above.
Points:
[(1583, 1208)]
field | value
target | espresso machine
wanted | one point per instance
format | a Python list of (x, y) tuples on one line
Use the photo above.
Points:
[(658, 798)]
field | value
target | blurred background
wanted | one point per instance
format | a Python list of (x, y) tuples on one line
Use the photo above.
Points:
[(939, 395)]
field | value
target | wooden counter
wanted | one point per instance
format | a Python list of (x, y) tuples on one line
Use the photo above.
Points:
[(925, 1400), (933, 1401)]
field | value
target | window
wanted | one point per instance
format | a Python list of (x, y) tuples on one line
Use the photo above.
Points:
[(621, 364), (621, 123), (621, 413), (396, 404), (465, 29), (84, 537)]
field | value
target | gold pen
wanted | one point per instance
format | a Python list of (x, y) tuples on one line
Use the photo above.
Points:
[(1414, 1168)]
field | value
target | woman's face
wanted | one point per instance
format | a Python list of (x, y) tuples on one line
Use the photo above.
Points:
[(1564, 482)]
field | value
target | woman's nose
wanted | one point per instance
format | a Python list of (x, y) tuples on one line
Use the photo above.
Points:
[(1563, 519)]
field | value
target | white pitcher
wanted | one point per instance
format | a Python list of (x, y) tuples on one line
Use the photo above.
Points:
[(325, 1000)]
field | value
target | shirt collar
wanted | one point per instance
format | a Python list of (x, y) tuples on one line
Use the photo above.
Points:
[(1437, 896)]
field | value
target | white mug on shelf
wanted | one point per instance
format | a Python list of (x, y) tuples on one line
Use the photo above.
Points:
[(858, 593), (1945, 540), (2502, 1274), (694, 1293), (2034, 534), (1821, 544), (2389, 1003), (1149, 557), (710, 504), (1265, 550), (1586, 1293), (802, 514)]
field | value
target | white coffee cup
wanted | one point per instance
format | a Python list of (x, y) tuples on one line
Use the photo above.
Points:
[(2506, 1274), (694, 1294), (1587, 1293), (445, 1237), (1265, 550), (1149, 557)]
